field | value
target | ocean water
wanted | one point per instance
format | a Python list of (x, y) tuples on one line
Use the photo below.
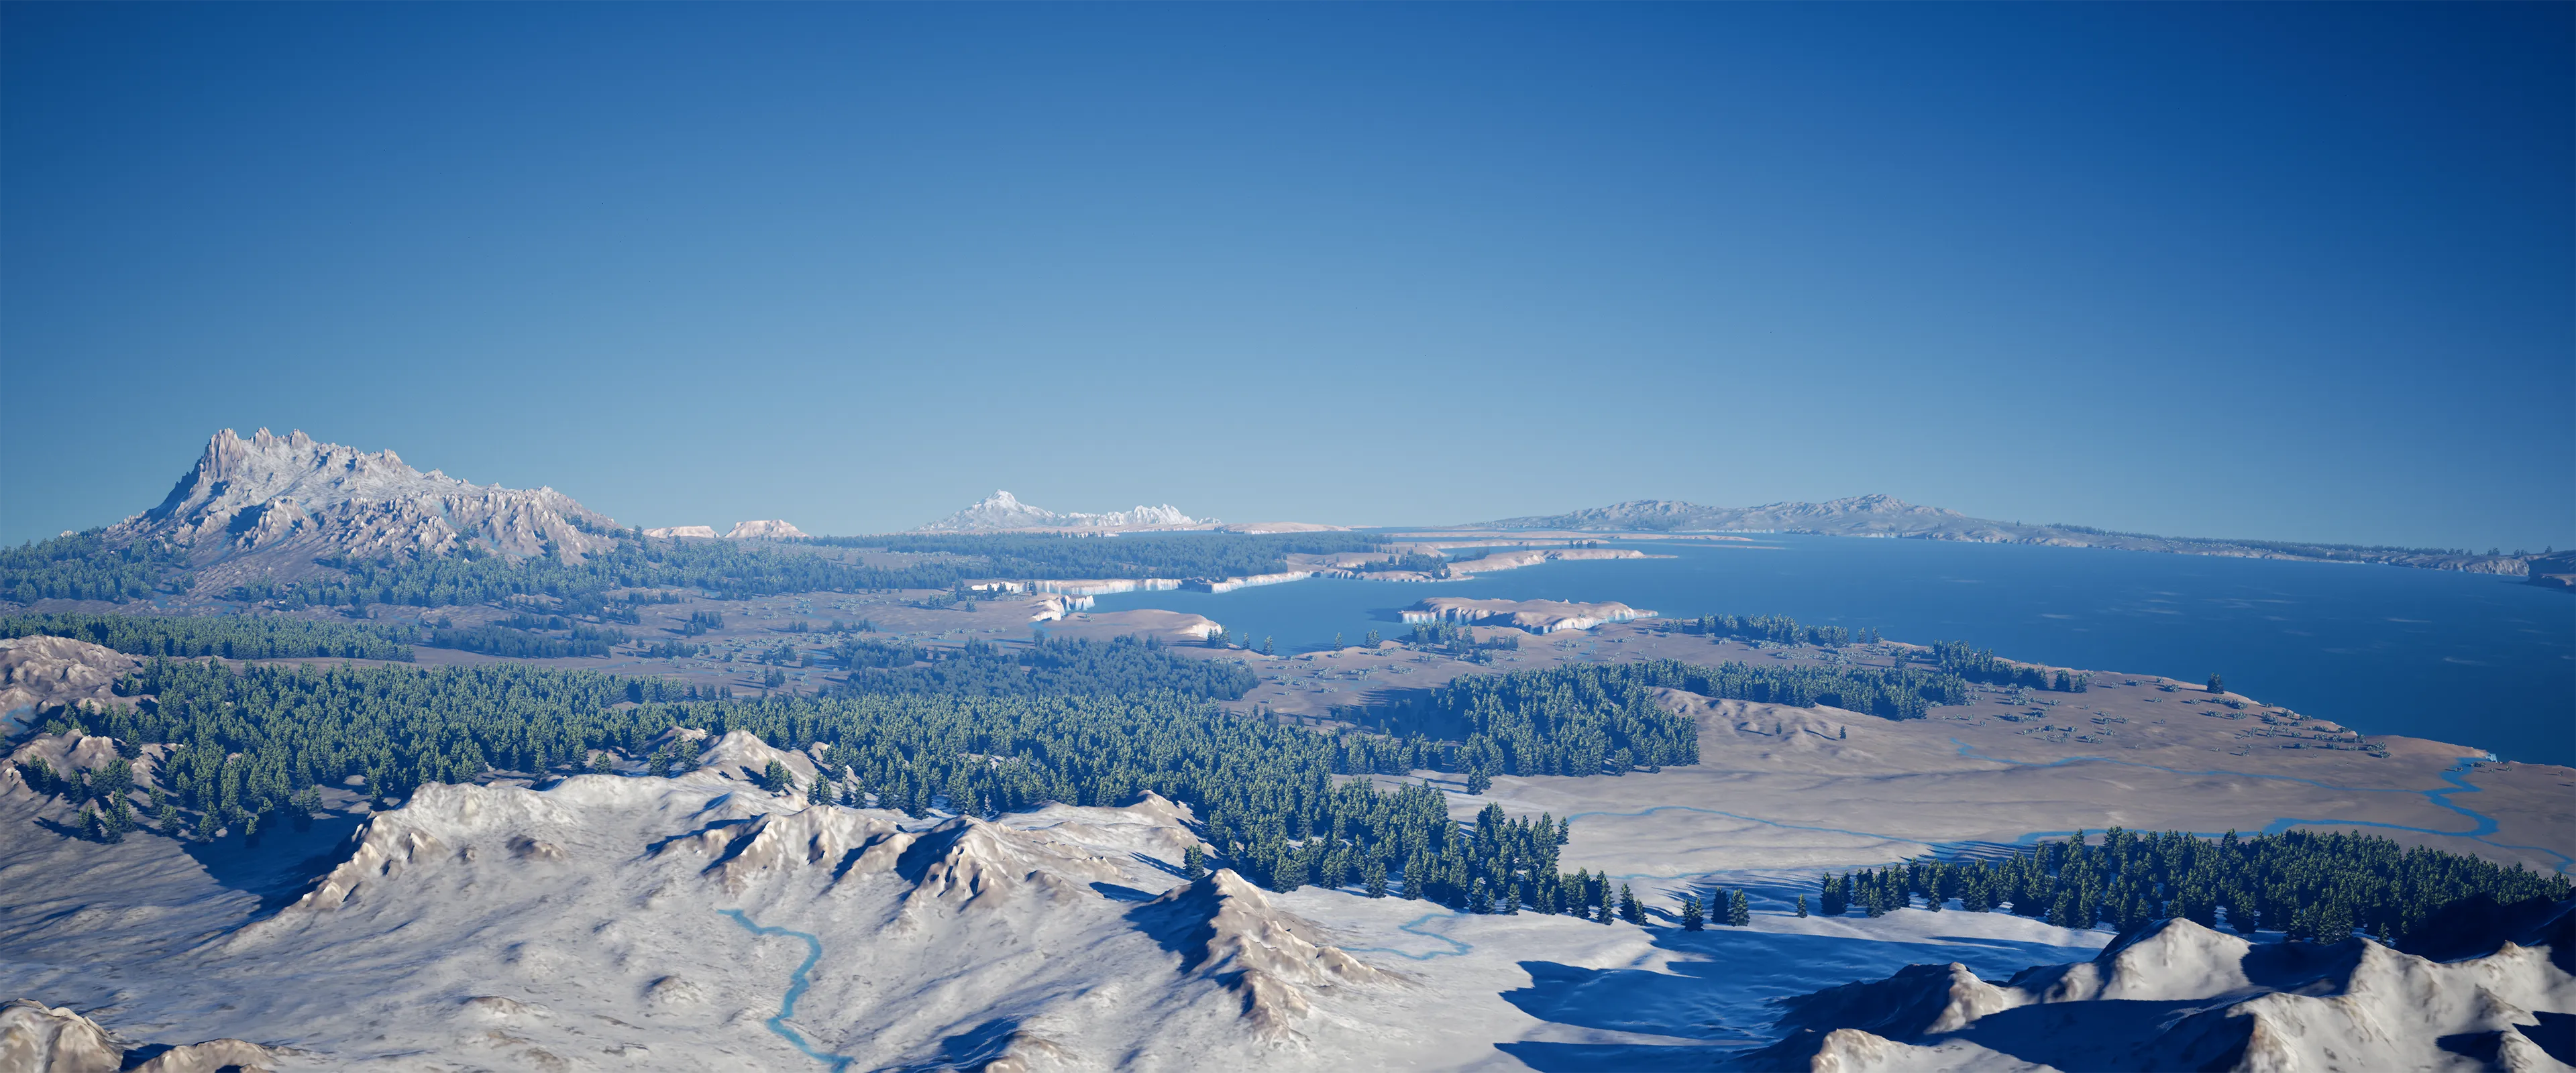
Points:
[(2464, 658)]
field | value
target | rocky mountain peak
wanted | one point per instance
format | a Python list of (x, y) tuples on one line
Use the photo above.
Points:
[(278, 498)]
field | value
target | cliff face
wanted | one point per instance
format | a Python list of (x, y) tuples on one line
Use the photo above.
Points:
[(282, 497), (2555, 571)]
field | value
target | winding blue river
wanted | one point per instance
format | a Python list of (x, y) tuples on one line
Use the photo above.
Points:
[(796, 985)]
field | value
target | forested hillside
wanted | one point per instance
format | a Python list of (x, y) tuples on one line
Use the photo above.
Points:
[(1575, 719), (228, 636), (2313, 886), (1124, 665)]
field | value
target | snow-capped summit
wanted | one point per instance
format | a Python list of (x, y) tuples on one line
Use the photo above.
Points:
[(1002, 510)]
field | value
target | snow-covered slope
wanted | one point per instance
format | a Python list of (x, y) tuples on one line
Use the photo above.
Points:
[(2181, 996), (39, 672), (612, 921)]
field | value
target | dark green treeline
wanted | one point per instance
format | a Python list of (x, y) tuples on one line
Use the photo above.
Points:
[(228, 636), (2320, 886)]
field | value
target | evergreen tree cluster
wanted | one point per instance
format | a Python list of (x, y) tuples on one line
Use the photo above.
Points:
[(1413, 561), (2319, 886), (1577, 718), (1122, 665), (80, 566), (1460, 641), (727, 570), (228, 636), (519, 643), (106, 812), (83, 567), (1981, 665), (252, 748), (1778, 629)]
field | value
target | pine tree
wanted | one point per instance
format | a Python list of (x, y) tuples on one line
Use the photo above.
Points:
[(1692, 918), (1477, 781), (1802, 905), (1739, 910), (1194, 862), (776, 777), (821, 792), (603, 764), (1373, 879), (2217, 684), (1629, 909)]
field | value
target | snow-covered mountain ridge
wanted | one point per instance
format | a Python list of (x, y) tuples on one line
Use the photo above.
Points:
[(1002, 510), (2178, 995)]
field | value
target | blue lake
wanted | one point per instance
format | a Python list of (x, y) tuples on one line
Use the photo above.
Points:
[(2464, 658)]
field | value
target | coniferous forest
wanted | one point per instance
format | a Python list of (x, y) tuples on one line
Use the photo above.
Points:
[(2319, 886), (83, 567), (982, 730), (228, 636)]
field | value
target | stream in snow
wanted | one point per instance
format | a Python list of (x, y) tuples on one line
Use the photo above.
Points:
[(796, 985)]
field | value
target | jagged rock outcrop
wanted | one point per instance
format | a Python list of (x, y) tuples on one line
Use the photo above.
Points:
[(279, 499), (740, 754), (35, 1038), (2554, 570), (1002, 510), (741, 851), (971, 864), (2181, 996), (38, 673), (440, 821), (1227, 930)]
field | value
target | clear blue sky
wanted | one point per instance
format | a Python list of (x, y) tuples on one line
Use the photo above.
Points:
[(2299, 271)]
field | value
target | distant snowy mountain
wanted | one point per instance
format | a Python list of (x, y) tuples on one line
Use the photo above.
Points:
[(1888, 516), (1002, 510), (772, 528)]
